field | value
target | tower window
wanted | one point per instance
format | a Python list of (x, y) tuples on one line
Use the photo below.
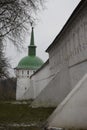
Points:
[(28, 72), (17, 72)]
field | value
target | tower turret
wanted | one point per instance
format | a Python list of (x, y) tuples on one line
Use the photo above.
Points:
[(26, 67)]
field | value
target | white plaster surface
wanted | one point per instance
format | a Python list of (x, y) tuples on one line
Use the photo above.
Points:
[(77, 72), (72, 112), (29, 94), (23, 83), (55, 91), (22, 86), (41, 79), (71, 46)]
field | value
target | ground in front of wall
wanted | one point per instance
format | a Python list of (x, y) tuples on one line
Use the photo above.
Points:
[(19, 115)]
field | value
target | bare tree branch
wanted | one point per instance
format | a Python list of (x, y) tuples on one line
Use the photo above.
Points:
[(15, 17)]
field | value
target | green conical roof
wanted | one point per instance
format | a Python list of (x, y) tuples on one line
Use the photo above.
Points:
[(31, 61)]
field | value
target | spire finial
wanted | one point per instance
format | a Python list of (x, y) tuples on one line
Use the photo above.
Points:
[(32, 24)]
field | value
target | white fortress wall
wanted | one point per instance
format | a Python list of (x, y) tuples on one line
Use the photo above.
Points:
[(71, 113), (51, 94), (71, 48), (77, 72), (41, 78), (67, 55)]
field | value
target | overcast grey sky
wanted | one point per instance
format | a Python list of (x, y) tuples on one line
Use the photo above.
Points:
[(51, 21)]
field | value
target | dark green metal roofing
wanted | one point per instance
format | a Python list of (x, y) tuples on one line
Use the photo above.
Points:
[(30, 62)]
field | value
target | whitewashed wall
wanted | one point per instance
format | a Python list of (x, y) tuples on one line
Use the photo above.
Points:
[(23, 83), (77, 72), (41, 79), (71, 48), (29, 94), (72, 112), (22, 87)]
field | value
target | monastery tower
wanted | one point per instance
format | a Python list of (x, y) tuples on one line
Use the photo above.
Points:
[(26, 67)]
